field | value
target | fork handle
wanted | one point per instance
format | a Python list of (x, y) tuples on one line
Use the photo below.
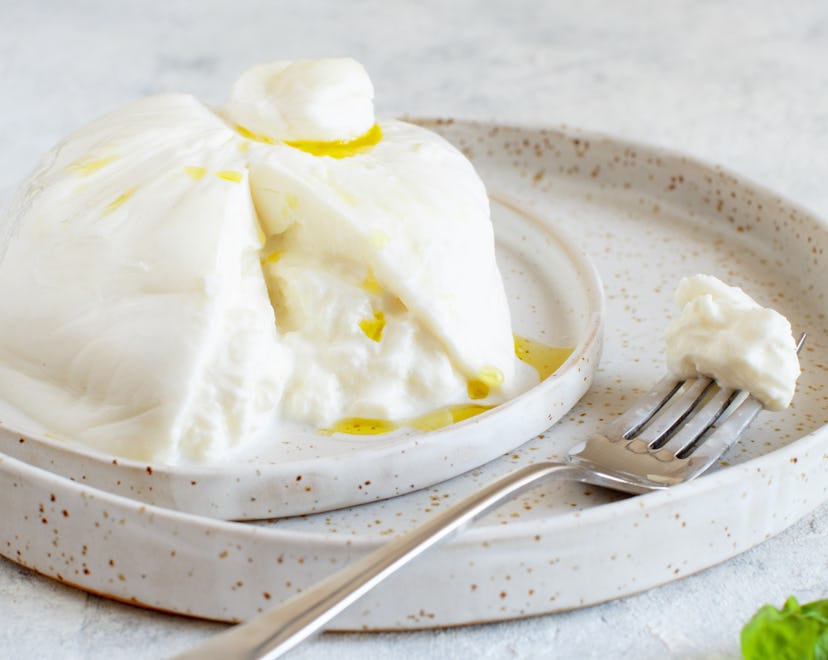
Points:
[(278, 630)]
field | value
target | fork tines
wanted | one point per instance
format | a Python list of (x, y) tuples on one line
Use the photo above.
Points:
[(677, 417), (674, 417)]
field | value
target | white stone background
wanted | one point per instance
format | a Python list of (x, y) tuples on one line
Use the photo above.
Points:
[(740, 83)]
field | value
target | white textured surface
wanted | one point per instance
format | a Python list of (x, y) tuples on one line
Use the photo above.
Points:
[(739, 83)]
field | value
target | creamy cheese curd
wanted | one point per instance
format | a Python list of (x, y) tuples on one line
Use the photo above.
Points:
[(724, 334), (320, 100), (174, 278)]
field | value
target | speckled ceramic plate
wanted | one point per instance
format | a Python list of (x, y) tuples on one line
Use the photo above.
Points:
[(647, 217), (555, 298)]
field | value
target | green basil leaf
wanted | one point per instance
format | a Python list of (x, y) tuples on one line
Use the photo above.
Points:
[(821, 646), (796, 632), (818, 610)]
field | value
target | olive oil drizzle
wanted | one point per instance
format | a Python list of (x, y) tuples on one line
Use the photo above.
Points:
[(545, 359), (340, 148), (332, 148), (431, 421)]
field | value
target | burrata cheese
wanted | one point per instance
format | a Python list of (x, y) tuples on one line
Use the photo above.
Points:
[(174, 277)]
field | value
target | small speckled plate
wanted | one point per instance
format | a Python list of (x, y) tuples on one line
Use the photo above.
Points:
[(555, 298), (647, 217)]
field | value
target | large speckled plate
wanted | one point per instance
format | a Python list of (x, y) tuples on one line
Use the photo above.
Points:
[(647, 218)]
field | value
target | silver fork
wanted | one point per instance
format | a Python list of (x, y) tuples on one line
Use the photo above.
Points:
[(671, 435)]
